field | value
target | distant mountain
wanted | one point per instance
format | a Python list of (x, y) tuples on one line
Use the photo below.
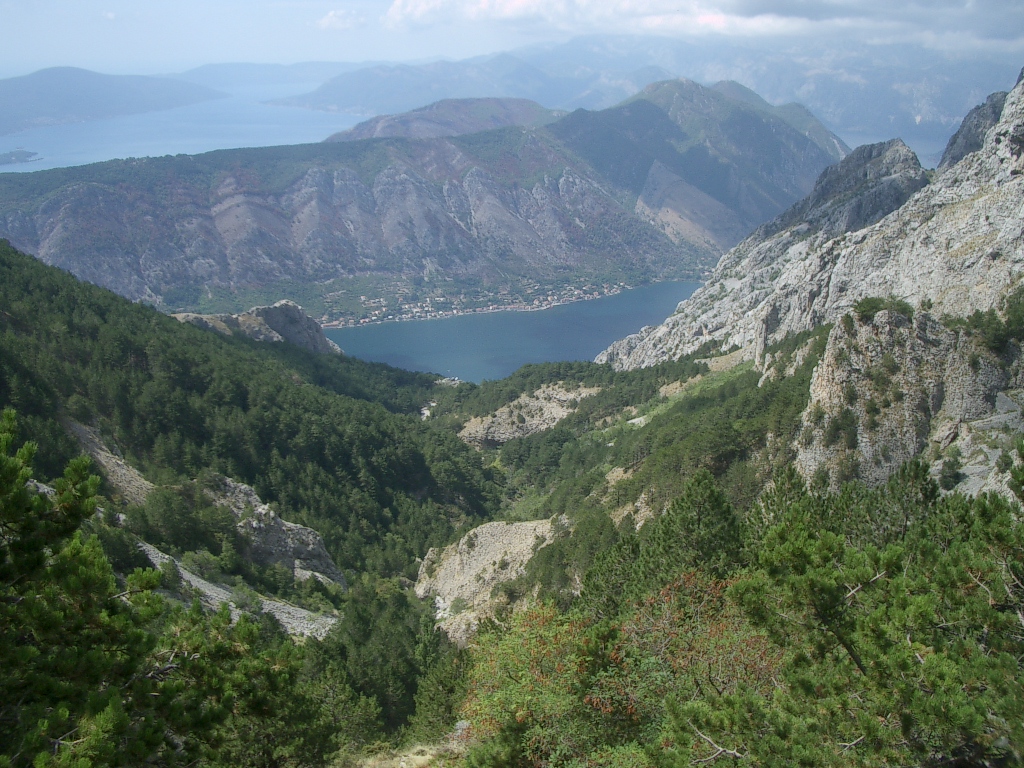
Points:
[(655, 188), (863, 93), (695, 158), (390, 89), (70, 95), (451, 117), (234, 77)]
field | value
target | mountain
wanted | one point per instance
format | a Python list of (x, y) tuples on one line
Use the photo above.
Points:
[(863, 93), (451, 117), (70, 95), (922, 284), (236, 77), (971, 135), (629, 194), (387, 89)]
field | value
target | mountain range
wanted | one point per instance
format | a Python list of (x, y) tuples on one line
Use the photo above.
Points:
[(863, 94), (657, 187)]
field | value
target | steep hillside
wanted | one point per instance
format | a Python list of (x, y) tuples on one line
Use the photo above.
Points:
[(70, 95), (869, 184), (451, 117), (894, 381), (695, 158), (628, 195)]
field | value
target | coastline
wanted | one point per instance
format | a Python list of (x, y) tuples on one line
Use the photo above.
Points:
[(538, 305)]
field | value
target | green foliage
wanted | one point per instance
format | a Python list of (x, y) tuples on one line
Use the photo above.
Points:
[(867, 308), (380, 486), (895, 651), (374, 647), (94, 671), (994, 330)]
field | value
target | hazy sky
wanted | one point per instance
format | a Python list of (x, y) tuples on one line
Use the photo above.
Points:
[(152, 36)]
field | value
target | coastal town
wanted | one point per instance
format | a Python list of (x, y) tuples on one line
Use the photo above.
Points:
[(405, 305)]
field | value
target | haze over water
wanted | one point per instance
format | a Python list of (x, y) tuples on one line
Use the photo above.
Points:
[(493, 345), (239, 120)]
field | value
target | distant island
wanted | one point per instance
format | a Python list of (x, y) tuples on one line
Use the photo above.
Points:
[(18, 156)]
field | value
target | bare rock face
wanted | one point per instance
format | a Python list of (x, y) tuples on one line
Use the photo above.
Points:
[(296, 621), (888, 389), (272, 541), (526, 415), (461, 578), (970, 137), (283, 321), (957, 243)]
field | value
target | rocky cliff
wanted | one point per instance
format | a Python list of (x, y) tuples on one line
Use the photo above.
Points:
[(273, 541), (749, 281), (283, 321), (461, 578), (890, 388), (956, 243), (893, 382)]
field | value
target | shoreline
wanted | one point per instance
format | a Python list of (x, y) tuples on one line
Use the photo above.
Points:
[(491, 308)]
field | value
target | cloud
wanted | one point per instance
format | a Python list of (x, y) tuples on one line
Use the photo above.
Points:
[(978, 19), (341, 20)]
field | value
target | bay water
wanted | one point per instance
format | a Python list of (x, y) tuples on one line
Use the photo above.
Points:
[(238, 120), (491, 345)]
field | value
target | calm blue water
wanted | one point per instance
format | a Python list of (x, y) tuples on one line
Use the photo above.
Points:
[(493, 345), (240, 120)]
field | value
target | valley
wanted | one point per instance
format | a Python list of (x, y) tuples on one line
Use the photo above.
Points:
[(780, 526)]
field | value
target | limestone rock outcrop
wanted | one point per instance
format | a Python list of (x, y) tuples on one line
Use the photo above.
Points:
[(526, 415), (461, 578), (295, 620), (890, 388), (273, 541), (869, 183), (283, 321), (957, 243), (970, 137)]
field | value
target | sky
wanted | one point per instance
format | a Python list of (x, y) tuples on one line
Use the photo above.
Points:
[(164, 36)]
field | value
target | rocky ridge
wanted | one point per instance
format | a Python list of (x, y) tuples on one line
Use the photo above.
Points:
[(730, 307), (462, 577), (956, 243), (895, 383), (295, 620), (273, 541), (526, 415), (451, 117), (283, 321)]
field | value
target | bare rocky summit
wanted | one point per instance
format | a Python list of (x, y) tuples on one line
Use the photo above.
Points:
[(283, 321)]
